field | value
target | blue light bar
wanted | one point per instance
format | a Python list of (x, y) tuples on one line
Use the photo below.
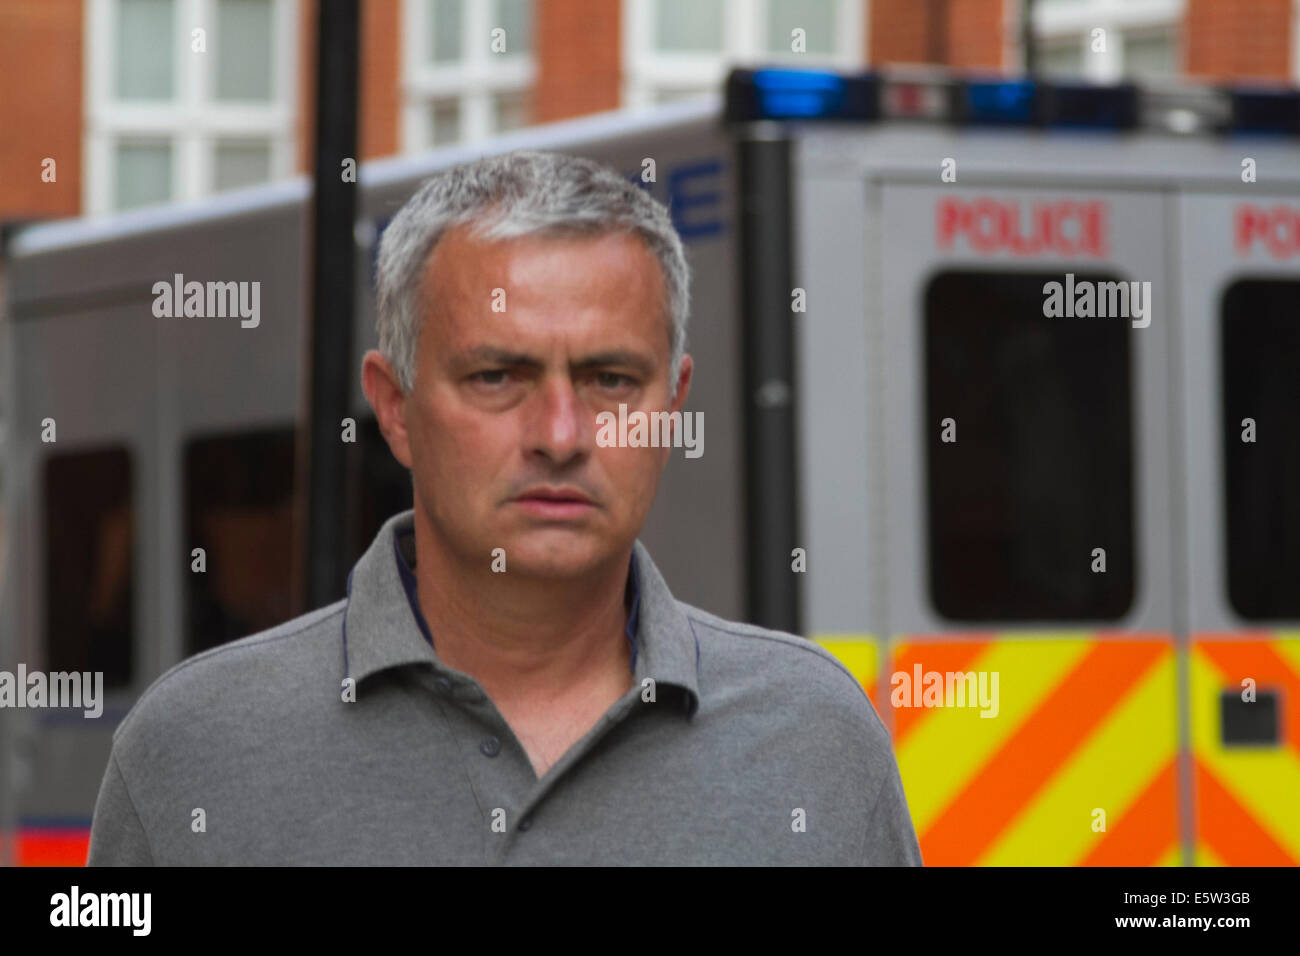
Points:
[(1089, 106), (998, 102), (799, 95), (1264, 111), (794, 93)]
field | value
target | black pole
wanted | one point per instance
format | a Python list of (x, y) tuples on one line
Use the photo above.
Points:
[(766, 258), (330, 321)]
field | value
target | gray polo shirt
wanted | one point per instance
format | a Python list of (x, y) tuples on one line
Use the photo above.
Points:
[(737, 745)]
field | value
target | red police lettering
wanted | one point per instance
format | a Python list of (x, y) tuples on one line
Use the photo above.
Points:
[(1066, 228), (1278, 228)]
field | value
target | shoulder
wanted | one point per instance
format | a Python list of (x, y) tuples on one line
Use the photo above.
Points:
[(810, 661), (291, 663), (782, 666), (795, 703)]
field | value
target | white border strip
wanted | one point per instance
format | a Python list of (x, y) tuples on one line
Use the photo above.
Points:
[(376, 173)]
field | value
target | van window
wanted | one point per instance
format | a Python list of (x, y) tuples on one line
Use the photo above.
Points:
[(1261, 382), (1040, 473), (239, 509), (90, 563), (239, 493)]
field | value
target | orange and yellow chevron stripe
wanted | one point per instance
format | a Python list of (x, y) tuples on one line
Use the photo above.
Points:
[(1078, 767), (1247, 798)]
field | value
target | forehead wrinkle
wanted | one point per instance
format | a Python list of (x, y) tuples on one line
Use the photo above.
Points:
[(608, 270)]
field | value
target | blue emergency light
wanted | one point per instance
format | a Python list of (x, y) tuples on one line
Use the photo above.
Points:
[(1058, 105), (778, 94), (997, 102), (784, 94)]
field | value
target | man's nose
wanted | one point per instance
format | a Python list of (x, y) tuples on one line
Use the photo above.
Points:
[(558, 426)]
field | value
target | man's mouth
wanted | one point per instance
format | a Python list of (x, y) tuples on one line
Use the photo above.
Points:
[(555, 502)]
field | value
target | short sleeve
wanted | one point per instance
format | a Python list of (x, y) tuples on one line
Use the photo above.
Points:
[(117, 837)]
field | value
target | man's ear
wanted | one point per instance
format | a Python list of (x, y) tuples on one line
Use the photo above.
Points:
[(678, 400), (384, 393), (683, 384)]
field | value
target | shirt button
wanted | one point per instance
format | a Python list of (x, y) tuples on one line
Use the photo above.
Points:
[(490, 746), (525, 823), (443, 685)]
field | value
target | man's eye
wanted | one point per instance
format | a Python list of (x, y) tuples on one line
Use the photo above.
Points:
[(613, 380), (494, 376)]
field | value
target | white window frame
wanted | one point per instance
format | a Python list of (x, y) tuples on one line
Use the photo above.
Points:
[(1295, 42), (1117, 17), (192, 121), (473, 81), (647, 70)]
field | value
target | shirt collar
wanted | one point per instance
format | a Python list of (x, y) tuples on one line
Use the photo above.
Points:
[(383, 626), (404, 543)]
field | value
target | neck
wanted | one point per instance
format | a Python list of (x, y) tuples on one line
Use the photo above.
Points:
[(521, 637)]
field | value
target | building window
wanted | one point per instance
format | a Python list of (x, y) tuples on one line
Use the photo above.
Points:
[(510, 111), (1141, 38), (816, 18), (444, 122), (1151, 53), (1040, 473), (1261, 353), (1061, 57), (144, 173), (243, 163), (243, 60), (177, 115), (90, 563), (515, 17), (468, 70), (675, 47), (144, 30), (694, 25), (445, 25)]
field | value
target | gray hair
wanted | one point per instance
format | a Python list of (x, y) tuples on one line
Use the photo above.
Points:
[(518, 194)]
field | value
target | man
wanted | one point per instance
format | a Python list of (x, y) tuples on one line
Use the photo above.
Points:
[(509, 679)]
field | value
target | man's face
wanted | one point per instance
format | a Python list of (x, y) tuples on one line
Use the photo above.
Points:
[(523, 342)]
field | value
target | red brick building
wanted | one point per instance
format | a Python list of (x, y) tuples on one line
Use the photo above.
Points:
[(139, 101)]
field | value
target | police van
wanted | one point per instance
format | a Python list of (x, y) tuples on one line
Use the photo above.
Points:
[(1002, 380)]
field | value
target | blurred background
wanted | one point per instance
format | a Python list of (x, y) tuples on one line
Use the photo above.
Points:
[(84, 81)]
